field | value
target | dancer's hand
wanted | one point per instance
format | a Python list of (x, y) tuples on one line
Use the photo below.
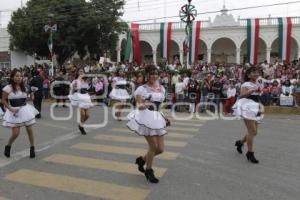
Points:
[(14, 110)]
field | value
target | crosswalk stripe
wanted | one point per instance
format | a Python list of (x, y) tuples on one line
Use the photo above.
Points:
[(86, 187), (170, 134), (183, 119), (136, 140), (121, 167), (186, 124), (121, 150), (182, 129)]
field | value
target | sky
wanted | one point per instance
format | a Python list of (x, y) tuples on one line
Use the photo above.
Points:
[(139, 10)]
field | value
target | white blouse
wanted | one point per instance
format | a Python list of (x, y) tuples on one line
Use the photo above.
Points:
[(155, 94), (14, 95)]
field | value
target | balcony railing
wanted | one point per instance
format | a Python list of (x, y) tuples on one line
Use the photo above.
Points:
[(207, 24), (269, 21)]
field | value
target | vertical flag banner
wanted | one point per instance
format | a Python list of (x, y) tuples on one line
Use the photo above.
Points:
[(194, 42), (129, 48), (253, 29), (133, 50), (165, 39), (136, 43), (285, 38)]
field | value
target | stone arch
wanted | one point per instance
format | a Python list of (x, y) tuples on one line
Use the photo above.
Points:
[(223, 50), (275, 49), (262, 51), (174, 51), (146, 52)]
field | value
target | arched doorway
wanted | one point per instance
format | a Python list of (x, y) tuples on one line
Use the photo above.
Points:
[(223, 51), (146, 52), (202, 56), (262, 51), (174, 52), (275, 50)]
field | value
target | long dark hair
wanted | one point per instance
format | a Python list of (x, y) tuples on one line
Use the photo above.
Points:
[(248, 72), (149, 70), (13, 83)]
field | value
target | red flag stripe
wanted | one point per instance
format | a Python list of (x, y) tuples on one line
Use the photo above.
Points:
[(289, 39), (136, 43), (256, 46), (169, 33)]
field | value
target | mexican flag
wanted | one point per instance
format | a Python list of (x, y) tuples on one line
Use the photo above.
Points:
[(133, 50), (252, 40), (165, 39), (285, 38), (194, 42)]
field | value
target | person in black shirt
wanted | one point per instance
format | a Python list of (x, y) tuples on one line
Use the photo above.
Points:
[(217, 89), (36, 87)]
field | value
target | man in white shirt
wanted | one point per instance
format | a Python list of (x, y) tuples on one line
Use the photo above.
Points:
[(179, 92)]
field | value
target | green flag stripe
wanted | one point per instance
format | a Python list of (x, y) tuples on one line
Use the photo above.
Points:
[(249, 40), (280, 33), (162, 39)]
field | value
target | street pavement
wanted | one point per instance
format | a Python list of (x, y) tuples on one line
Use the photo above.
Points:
[(199, 162)]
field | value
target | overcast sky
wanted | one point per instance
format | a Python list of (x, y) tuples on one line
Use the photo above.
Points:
[(136, 10)]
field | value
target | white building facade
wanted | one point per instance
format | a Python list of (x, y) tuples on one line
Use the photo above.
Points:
[(223, 40), (9, 58)]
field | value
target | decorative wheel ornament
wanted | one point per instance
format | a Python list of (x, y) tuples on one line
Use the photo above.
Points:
[(187, 15)]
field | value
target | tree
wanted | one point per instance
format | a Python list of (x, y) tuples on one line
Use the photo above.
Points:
[(88, 28)]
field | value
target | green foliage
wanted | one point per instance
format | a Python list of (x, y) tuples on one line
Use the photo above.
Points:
[(89, 28)]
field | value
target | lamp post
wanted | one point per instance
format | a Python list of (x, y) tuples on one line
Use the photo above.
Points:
[(187, 15), (51, 28)]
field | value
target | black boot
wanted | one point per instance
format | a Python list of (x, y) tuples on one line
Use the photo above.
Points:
[(32, 152), (251, 158), (140, 162), (7, 151), (81, 130), (239, 145), (149, 173)]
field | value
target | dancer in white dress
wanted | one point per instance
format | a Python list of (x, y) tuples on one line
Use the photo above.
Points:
[(249, 108), (18, 113), (147, 121), (81, 99), (119, 94)]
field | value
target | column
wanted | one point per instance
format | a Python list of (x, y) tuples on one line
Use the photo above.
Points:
[(118, 54), (208, 55), (181, 57), (268, 55), (154, 53), (238, 56), (188, 66)]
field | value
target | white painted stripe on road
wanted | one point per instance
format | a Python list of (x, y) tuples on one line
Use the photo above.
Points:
[(40, 147), (55, 126), (136, 140), (108, 165), (182, 129), (76, 185), (177, 123), (171, 134), (122, 150)]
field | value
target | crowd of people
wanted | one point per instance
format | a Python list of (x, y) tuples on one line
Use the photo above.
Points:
[(201, 83), (228, 88)]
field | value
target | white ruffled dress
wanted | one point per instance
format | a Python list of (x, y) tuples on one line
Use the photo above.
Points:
[(247, 108), (25, 115), (147, 122), (118, 92), (78, 99)]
